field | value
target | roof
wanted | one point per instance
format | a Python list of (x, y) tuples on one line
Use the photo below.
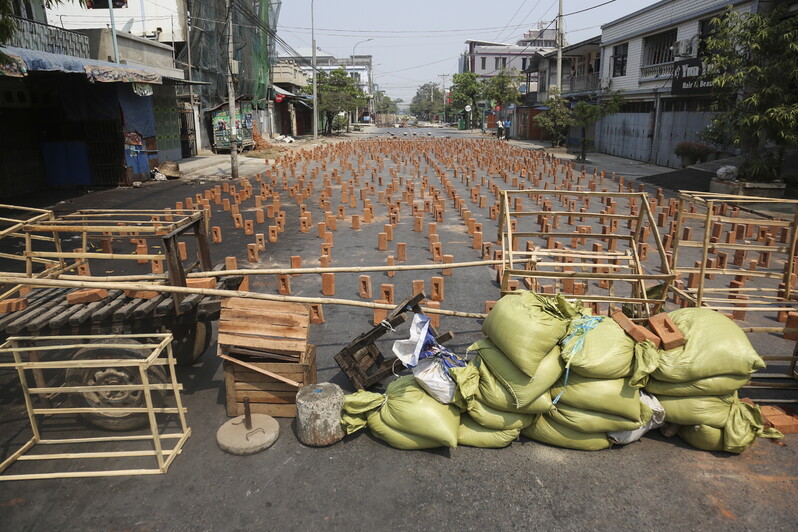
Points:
[(25, 60)]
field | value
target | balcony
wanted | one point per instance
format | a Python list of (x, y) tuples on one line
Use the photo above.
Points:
[(583, 83), (289, 73), (45, 38), (655, 72)]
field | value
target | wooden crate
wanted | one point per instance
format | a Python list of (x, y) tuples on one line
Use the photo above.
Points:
[(263, 328), (267, 395)]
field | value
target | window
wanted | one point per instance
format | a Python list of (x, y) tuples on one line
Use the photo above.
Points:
[(705, 30), (504, 62), (619, 55), (496, 63), (658, 48), (484, 60), (523, 63)]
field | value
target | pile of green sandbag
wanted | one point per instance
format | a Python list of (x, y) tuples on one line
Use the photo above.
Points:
[(554, 373), (697, 383)]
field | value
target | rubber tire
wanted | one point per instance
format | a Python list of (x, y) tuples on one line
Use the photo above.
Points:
[(85, 376), (190, 345)]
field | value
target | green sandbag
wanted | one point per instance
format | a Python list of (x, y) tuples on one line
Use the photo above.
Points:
[(646, 361), (524, 389), (611, 396), (473, 434), (738, 434), (492, 418), (525, 326), (698, 410), (606, 350), (492, 393), (720, 385), (397, 438), (703, 437), (590, 421), (547, 431), (714, 346), (411, 410), (356, 408)]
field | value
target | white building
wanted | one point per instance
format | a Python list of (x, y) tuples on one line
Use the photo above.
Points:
[(639, 54)]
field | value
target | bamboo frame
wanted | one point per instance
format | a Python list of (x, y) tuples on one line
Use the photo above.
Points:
[(611, 266), (19, 217), (23, 348)]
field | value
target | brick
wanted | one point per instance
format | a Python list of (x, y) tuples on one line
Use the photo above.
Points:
[(387, 293), (786, 424), (418, 286), (156, 266), (382, 241), (364, 286), (89, 295), (356, 222), (201, 282), (141, 249), (296, 262), (328, 284), (260, 240), (249, 227), (669, 333), (489, 306), (477, 242), (401, 251), (638, 333), (284, 285), (216, 234), (141, 294), (380, 313), (230, 263), (391, 262), (316, 313), (437, 289), (447, 259), (434, 319), (792, 323)]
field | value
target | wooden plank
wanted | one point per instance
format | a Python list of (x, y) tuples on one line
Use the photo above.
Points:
[(261, 343), (264, 306), (285, 398), (261, 370), (264, 386), (253, 328), (230, 387), (282, 319), (252, 377)]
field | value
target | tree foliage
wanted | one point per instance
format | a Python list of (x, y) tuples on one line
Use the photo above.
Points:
[(337, 93), (556, 119), (466, 90), (384, 103), (503, 88), (751, 61), (586, 113), (428, 101)]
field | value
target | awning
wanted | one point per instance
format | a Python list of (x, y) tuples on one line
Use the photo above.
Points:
[(168, 80), (24, 61), (284, 92)]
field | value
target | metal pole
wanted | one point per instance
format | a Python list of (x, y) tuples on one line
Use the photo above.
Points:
[(231, 95), (313, 64), (559, 49), (190, 77), (113, 32)]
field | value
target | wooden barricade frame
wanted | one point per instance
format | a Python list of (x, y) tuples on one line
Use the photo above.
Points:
[(27, 352), (543, 262), (713, 213), (167, 225), (12, 221)]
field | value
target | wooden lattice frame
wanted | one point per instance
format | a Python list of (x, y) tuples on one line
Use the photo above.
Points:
[(27, 352), (714, 212), (627, 266)]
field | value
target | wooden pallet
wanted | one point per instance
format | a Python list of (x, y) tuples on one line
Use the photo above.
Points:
[(266, 355)]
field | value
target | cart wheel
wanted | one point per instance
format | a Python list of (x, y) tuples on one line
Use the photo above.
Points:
[(113, 376), (191, 341)]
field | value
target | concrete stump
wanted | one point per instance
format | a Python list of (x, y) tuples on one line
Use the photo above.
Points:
[(318, 414)]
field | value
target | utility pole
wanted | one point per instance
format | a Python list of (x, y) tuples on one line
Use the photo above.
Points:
[(559, 48), (313, 65), (231, 95), (443, 88)]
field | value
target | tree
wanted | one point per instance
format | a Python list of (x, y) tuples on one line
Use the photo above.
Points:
[(466, 90), (587, 113), (503, 87), (751, 62), (556, 119), (384, 103), (337, 93), (427, 101)]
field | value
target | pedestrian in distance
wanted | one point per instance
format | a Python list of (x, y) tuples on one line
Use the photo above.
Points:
[(507, 124), (499, 129)]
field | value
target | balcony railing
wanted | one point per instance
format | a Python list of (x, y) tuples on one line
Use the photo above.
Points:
[(288, 73), (658, 71), (585, 82), (43, 37)]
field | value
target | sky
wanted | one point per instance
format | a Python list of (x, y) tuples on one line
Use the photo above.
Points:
[(416, 41)]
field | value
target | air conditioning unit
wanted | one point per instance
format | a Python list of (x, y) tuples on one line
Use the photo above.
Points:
[(683, 48), (604, 83)]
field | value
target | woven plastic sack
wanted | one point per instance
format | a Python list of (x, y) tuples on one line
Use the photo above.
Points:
[(524, 389), (411, 410), (526, 326), (698, 410), (656, 420), (590, 421), (611, 396), (714, 346), (603, 352), (397, 438), (720, 385), (493, 393), (473, 434), (492, 418), (742, 428), (547, 431), (357, 406)]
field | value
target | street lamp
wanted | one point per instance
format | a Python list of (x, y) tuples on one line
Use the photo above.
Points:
[(353, 66)]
